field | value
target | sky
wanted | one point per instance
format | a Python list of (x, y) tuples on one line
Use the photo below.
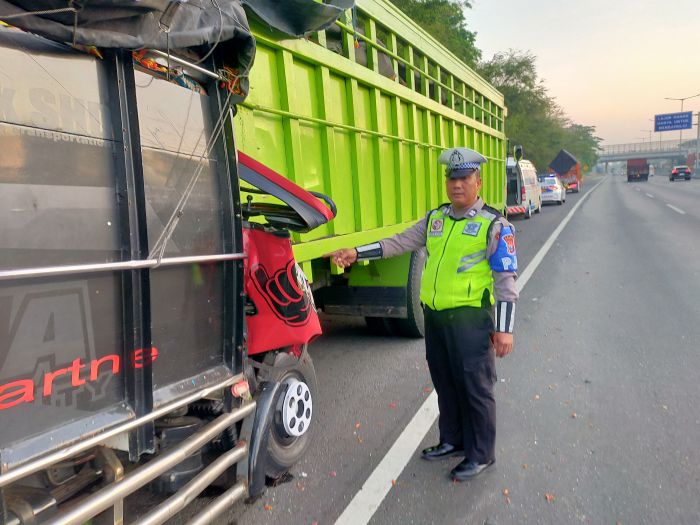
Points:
[(608, 63)]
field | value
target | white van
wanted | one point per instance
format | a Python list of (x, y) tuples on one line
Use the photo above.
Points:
[(523, 194)]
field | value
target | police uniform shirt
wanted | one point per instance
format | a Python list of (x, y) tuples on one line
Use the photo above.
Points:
[(414, 238)]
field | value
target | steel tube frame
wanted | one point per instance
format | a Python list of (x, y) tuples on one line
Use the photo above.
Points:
[(104, 498), (189, 492), (59, 455), (50, 271), (220, 504), (185, 63)]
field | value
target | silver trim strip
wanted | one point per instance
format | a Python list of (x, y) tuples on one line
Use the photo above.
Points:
[(220, 504), (183, 497), (49, 271), (105, 498), (59, 455)]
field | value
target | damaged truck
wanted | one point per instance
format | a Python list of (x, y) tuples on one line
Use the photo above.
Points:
[(169, 174)]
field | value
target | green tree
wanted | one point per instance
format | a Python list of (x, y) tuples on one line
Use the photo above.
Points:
[(534, 119), (445, 21)]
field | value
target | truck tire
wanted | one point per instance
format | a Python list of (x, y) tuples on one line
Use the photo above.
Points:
[(528, 211), (539, 207), (285, 450), (414, 324)]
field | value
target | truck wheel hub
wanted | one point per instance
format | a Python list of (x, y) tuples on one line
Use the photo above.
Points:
[(297, 408)]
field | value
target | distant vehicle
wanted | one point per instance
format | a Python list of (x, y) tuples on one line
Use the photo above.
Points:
[(637, 170), (523, 191), (569, 170), (552, 189), (679, 172)]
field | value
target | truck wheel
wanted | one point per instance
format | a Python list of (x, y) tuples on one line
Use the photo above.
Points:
[(292, 426), (414, 324), (528, 211), (539, 208)]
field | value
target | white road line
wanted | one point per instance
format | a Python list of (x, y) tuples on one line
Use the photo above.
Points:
[(366, 502), (649, 195), (676, 209)]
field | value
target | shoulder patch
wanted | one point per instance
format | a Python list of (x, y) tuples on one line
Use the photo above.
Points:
[(505, 258)]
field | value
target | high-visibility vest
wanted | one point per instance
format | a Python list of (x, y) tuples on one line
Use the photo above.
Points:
[(457, 272)]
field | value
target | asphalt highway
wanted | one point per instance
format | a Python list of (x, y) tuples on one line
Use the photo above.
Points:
[(597, 414)]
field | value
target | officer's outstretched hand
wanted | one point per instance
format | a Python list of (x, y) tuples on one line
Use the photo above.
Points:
[(502, 343), (344, 257)]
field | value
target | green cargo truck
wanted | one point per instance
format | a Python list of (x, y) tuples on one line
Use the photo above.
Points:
[(361, 112)]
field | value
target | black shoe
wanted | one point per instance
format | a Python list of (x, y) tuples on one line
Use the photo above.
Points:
[(441, 451), (469, 469)]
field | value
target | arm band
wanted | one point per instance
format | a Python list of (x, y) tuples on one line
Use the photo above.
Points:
[(369, 252), (505, 316)]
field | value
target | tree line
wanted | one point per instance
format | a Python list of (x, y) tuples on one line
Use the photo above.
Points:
[(534, 120)]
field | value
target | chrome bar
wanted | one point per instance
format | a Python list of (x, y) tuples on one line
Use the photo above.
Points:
[(184, 62), (103, 499), (220, 504), (85, 444), (49, 271), (183, 497)]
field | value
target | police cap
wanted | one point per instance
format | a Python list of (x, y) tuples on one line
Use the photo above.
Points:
[(461, 162)]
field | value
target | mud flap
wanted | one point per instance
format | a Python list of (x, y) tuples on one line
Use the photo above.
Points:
[(259, 436)]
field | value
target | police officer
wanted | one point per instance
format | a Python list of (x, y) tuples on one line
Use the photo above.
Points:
[(470, 266)]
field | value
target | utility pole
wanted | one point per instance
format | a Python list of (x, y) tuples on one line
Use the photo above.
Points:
[(683, 99)]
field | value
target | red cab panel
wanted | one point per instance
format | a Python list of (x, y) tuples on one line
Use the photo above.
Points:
[(284, 313)]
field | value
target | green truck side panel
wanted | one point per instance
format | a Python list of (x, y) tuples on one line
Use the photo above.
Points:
[(368, 141), (383, 272)]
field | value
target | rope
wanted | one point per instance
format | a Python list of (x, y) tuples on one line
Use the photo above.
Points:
[(160, 245)]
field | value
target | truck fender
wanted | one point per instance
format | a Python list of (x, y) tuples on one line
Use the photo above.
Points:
[(260, 434)]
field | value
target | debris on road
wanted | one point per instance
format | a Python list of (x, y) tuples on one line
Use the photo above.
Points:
[(268, 507), (537, 396), (549, 497), (333, 473), (358, 424), (525, 466), (574, 415), (392, 405)]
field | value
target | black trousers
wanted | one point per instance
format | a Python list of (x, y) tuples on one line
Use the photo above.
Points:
[(463, 369)]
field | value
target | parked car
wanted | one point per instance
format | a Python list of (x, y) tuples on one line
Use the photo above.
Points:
[(523, 191), (552, 189), (679, 172)]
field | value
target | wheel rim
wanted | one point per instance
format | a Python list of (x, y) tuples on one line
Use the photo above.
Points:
[(297, 408)]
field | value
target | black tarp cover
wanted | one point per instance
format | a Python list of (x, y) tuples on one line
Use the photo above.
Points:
[(563, 162), (169, 24), (298, 17)]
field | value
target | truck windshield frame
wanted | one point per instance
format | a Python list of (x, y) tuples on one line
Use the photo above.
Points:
[(121, 285)]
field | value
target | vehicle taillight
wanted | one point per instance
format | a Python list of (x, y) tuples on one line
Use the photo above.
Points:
[(522, 194), (552, 188), (675, 172)]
